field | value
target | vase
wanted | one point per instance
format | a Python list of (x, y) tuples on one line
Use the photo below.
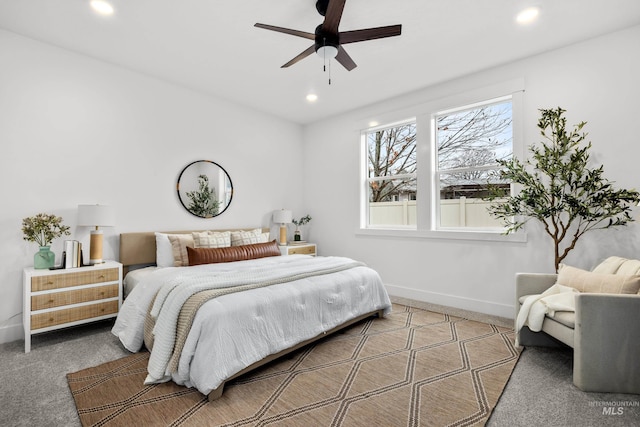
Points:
[(44, 258), (296, 236)]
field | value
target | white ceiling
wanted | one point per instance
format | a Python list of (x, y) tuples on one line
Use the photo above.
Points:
[(212, 46)]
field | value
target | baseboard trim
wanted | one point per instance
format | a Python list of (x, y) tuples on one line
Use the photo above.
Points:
[(483, 311), (11, 333)]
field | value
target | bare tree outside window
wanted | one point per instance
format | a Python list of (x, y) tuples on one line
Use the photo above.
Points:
[(392, 152), (476, 137), (470, 143)]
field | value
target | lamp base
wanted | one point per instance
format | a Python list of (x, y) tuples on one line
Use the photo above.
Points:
[(95, 247), (283, 235)]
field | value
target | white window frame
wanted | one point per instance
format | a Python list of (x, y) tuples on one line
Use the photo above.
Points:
[(365, 206), (437, 172), (426, 207)]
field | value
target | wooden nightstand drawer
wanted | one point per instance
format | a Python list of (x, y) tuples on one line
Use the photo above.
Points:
[(303, 250), (57, 299), (45, 283), (58, 317)]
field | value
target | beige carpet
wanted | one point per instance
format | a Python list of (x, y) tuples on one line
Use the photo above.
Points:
[(413, 368)]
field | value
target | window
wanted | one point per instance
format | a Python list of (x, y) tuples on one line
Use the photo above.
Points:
[(391, 175), (468, 141), (447, 154)]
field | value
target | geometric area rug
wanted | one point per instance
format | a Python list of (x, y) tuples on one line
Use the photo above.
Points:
[(411, 368)]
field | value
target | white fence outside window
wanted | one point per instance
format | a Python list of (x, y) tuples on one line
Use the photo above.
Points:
[(460, 212)]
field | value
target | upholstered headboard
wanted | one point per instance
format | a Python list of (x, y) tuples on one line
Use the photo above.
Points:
[(140, 248)]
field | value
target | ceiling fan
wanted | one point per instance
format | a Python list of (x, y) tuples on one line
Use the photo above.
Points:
[(328, 40)]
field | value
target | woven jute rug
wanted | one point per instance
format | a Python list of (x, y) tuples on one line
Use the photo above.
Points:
[(412, 368)]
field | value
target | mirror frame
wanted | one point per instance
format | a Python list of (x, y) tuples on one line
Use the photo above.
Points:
[(180, 197)]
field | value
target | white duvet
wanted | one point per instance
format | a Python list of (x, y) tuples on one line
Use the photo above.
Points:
[(236, 330)]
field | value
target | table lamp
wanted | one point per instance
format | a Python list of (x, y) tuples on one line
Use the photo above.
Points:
[(95, 216), (283, 217)]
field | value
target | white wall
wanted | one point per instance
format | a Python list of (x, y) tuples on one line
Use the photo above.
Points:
[(74, 130), (595, 81)]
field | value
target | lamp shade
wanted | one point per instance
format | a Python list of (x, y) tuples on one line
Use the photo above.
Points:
[(96, 216), (283, 216)]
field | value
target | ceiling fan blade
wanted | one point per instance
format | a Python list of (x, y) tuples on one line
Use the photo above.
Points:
[(370, 34), (302, 34), (344, 58), (333, 16), (303, 55)]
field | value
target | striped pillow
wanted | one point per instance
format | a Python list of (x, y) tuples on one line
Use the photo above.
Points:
[(179, 243), (587, 281)]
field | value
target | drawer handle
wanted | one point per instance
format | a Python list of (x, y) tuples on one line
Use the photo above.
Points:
[(102, 310), (101, 276), (49, 282), (102, 293), (51, 319), (51, 300)]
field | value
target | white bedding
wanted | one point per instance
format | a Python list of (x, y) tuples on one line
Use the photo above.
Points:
[(134, 277), (236, 330)]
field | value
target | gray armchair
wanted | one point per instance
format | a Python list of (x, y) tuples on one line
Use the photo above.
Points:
[(604, 333)]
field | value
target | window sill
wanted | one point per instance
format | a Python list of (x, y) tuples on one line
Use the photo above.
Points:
[(484, 235)]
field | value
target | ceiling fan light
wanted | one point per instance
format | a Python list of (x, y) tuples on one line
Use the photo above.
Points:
[(327, 52)]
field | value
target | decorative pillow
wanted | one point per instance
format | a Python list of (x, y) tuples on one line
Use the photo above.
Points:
[(587, 281), (164, 252), (212, 239), (179, 243), (239, 238), (618, 265), (199, 256), (609, 265)]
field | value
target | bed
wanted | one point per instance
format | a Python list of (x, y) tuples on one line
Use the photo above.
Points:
[(209, 323)]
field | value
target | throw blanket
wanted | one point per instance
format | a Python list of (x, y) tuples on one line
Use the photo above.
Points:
[(536, 307), (170, 332)]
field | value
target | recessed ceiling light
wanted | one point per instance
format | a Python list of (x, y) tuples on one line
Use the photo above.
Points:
[(373, 124), (528, 15), (102, 7), (312, 97)]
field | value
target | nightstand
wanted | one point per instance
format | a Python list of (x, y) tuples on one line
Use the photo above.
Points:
[(301, 249), (55, 299)]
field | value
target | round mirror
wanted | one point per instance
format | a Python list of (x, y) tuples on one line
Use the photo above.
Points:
[(204, 188)]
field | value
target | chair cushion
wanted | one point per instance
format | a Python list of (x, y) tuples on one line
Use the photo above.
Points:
[(594, 282), (567, 318)]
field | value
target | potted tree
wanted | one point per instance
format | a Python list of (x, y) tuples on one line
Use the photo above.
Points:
[(559, 189)]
